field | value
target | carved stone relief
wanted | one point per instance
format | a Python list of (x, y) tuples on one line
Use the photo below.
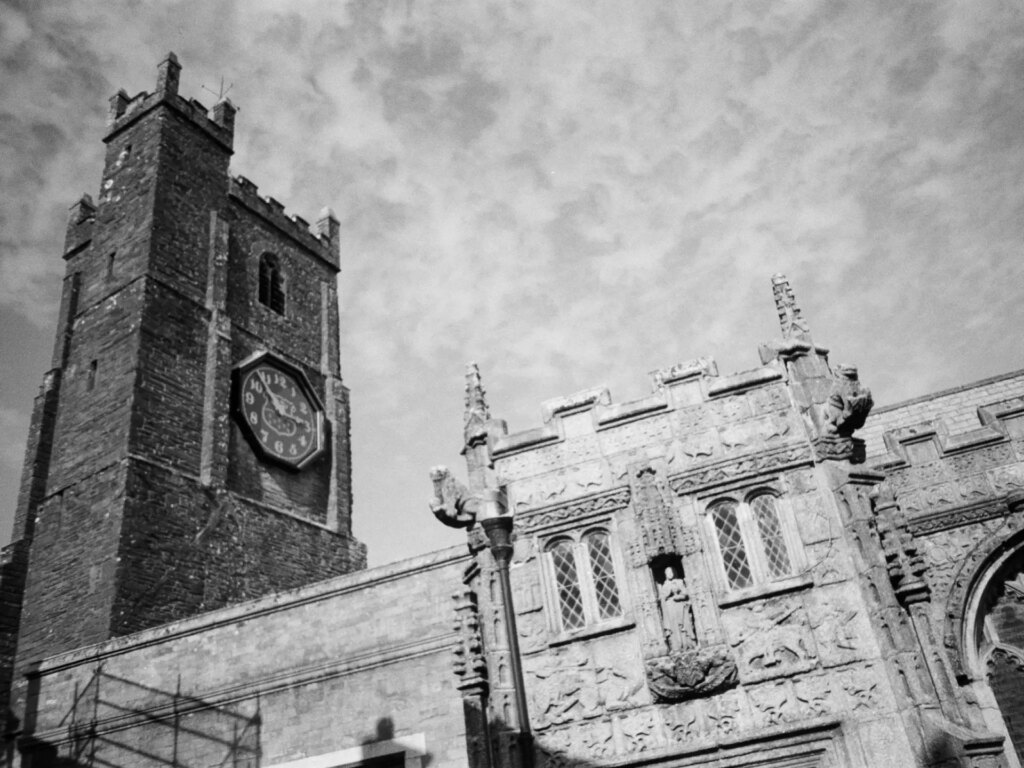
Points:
[(944, 552), (693, 419), (1007, 479), (638, 433), (774, 704), (565, 483), (740, 467), (813, 519), (640, 731), (532, 630), (568, 685), (727, 714), (730, 408), (526, 590), (838, 626), (692, 447), (771, 639), (604, 503), (689, 674), (768, 399), (529, 463)]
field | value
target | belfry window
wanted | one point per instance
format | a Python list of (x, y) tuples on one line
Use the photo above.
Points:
[(751, 540), (583, 578), (271, 293)]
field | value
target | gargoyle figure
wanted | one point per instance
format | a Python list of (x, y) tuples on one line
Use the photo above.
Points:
[(452, 504), (848, 403)]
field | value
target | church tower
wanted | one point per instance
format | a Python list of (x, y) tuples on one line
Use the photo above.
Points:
[(189, 448)]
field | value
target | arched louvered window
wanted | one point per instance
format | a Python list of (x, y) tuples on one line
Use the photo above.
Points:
[(271, 292), (751, 540), (584, 580)]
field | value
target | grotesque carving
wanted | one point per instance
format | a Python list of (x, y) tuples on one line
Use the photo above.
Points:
[(687, 675), (676, 613), (848, 403), (452, 504)]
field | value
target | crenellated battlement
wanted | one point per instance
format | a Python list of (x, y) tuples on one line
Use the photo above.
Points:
[(322, 238), (684, 385), (124, 110)]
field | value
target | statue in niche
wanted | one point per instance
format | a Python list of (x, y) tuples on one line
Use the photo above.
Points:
[(676, 612)]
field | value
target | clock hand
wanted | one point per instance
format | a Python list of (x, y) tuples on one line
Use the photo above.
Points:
[(273, 397)]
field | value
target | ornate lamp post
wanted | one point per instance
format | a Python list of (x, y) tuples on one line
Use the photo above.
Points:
[(497, 522)]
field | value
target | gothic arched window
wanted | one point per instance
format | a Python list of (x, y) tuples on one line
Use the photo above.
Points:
[(751, 540), (271, 293), (583, 577), (999, 642)]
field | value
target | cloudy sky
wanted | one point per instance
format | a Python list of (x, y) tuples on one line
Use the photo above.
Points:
[(569, 193)]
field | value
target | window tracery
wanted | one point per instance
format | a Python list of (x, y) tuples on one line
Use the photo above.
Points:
[(584, 577), (752, 543)]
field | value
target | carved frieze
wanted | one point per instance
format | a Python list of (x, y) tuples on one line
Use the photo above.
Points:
[(954, 518), (689, 674), (754, 464), (604, 503)]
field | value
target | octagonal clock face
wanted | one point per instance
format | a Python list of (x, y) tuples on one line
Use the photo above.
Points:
[(279, 411)]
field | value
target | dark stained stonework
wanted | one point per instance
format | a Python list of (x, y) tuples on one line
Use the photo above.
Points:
[(140, 502)]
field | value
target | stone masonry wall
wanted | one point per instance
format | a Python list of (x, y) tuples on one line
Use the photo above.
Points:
[(344, 664)]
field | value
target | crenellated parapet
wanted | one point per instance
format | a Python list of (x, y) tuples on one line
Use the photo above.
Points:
[(322, 239), (125, 110), (944, 478), (693, 418)]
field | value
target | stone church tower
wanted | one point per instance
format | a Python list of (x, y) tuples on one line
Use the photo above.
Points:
[(189, 447)]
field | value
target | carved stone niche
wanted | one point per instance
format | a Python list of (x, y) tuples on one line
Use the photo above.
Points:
[(691, 674), (650, 496)]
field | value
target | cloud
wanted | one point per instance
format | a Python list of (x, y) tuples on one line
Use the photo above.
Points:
[(575, 193)]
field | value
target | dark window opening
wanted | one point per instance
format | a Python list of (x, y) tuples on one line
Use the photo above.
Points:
[(271, 292)]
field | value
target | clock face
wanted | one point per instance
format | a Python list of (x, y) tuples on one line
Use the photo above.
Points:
[(279, 412)]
